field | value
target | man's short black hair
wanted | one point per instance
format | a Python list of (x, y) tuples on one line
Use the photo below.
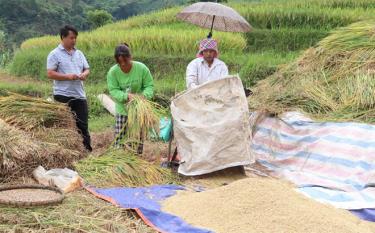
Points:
[(122, 50), (64, 32)]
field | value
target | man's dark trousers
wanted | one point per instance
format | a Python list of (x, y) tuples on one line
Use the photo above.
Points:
[(80, 110)]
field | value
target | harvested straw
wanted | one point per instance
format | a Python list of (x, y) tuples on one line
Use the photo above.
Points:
[(66, 138), (21, 153), (122, 168), (261, 205), (333, 81), (80, 212), (30, 113)]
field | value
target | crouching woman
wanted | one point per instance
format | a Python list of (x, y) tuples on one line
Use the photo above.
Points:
[(125, 80)]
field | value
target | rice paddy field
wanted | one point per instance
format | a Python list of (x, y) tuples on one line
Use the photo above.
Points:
[(315, 56)]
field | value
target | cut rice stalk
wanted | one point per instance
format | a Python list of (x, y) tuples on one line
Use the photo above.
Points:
[(21, 153), (122, 168), (333, 81), (30, 113), (143, 118)]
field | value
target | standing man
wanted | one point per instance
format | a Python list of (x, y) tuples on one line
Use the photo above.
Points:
[(206, 67), (68, 67)]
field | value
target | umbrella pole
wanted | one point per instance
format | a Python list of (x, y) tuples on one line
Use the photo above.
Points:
[(212, 26)]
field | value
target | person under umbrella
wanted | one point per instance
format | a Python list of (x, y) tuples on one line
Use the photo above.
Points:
[(206, 67)]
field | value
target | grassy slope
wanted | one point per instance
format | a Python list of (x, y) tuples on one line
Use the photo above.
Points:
[(282, 30)]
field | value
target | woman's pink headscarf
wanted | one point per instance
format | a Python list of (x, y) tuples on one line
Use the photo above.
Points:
[(207, 44)]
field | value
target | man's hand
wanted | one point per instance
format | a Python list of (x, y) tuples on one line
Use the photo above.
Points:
[(72, 77), (83, 76)]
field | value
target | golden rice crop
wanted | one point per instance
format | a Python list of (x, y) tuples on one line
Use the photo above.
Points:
[(147, 39)]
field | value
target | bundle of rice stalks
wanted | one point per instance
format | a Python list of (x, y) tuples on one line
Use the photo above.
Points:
[(143, 118), (20, 154), (29, 113), (66, 138), (333, 81), (122, 168)]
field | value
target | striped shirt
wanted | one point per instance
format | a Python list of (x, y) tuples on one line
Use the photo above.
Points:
[(61, 61)]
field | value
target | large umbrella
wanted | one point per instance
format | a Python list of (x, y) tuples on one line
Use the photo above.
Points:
[(214, 16)]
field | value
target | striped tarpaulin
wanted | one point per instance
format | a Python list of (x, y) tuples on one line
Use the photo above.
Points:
[(330, 162)]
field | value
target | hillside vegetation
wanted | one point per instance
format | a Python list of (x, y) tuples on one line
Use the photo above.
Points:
[(282, 29), (22, 19)]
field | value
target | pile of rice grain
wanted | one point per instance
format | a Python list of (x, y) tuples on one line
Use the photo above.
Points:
[(256, 205)]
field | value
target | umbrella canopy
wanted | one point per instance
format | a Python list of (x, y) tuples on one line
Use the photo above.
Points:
[(214, 16)]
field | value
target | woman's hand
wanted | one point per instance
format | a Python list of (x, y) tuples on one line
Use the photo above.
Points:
[(130, 97)]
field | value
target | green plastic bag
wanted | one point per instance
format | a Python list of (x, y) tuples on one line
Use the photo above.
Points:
[(165, 129)]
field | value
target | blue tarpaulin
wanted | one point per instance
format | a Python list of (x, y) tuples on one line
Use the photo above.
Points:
[(365, 214), (146, 202)]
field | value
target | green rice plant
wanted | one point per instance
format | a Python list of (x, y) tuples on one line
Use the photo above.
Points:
[(283, 39), (300, 14), (122, 168), (170, 85), (366, 4)]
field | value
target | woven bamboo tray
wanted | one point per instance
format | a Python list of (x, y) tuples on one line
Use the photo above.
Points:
[(30, 195)]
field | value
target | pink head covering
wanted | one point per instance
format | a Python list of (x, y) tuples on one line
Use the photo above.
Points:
[(207, 44)]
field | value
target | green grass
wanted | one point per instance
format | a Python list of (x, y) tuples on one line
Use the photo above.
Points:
[(260, 66), (101, 123), (37, 90), (100, 62), (283, 39)]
